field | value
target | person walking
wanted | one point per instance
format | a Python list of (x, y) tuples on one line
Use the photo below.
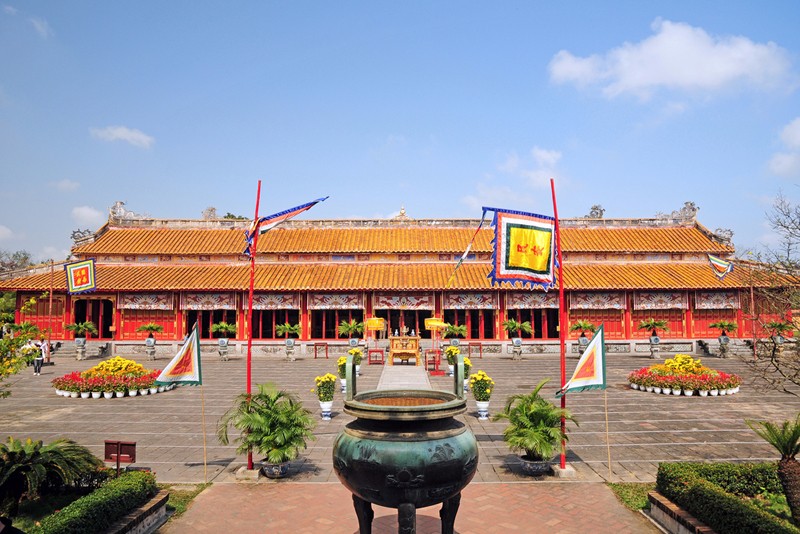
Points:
[(44, 350)]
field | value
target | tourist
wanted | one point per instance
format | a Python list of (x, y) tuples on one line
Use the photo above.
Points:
[(44, 351)]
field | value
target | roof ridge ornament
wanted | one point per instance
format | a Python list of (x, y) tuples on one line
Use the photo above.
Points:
[(687, 212)]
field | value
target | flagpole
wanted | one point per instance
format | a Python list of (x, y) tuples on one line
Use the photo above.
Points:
[(205, 452), (253, 250), (562, 324), (608, 442)]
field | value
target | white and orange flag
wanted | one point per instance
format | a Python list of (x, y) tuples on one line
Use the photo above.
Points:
[(185, 366), (591, 370)]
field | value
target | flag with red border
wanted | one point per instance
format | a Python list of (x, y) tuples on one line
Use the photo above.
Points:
[(590, 373), (185, 367)]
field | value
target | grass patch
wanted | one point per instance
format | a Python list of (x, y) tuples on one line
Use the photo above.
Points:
[(633, 494), (180, 497), (31, 512)]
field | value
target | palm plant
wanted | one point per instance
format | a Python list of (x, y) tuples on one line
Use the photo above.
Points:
[(779, 328), (654, 325), (582, 326), (223, 329), (786, 440), (287, 329), (512, 326), (351, 328), (26, 465), (151, 328), (452, 330), (724, 326), (82, 328), (534, 424), (271, 422)]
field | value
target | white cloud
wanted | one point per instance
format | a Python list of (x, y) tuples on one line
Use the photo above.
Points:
[(785, 164), (5, 233), (10, 10), (65, 185), (677, 56), (85, 216), (54, 253), (42, 27), (791, 134), (496, 195), (537, 171), (133, 136)]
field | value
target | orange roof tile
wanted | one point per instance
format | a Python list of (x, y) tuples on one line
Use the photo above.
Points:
[(166, 241), (388, 277)]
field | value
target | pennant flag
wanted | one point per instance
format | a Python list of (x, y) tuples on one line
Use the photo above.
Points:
[(80, 277), (466, 252), (719, 266), (591, 370), (185, 366), (271, 221), (524, 248)]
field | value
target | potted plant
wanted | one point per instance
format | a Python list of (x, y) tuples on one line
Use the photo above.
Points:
[(481, 385), (341, 369), (451, 353), (535, 428), (654, 325), (271, 422), (358, 355), (724, 327), (454, 331), (80, 330), (351, 328), (513, 327), (324, 386), (286, 329), (778, 329), (582, 326), (224, 330)]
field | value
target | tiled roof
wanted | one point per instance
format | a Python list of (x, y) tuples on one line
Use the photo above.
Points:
[(166, 241), (389, 277)]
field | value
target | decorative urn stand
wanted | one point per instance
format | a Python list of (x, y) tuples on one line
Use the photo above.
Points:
[(405, 450)]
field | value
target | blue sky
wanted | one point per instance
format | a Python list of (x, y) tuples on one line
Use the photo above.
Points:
[(440, 107)]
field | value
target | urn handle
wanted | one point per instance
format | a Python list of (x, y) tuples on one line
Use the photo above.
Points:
[(458, 376)]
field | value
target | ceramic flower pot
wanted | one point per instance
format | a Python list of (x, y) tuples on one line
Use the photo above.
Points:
[(153, 390), (161, 389), (325, 408), (714, 392), (59, 392), (73, 394), (466, 385), (450, 370), (649, 389), (723, 391), (343, 382), (133, 392), (144, 391), (656, 389), (483, 410), (703, 392), (86, 394), (688, 392), (634, 386), (275, 470), (535, 468), (358, 370), (108, 394), (676, 391), (119, 394), (96, 394)]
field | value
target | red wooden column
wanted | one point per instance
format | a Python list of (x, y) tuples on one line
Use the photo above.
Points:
[(305, 325), (689, 315), (627, 321), (501, 312)]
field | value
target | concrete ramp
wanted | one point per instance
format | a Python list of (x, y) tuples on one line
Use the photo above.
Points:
[(404, 377)]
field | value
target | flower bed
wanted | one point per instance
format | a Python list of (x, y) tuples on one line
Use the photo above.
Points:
[(684, 375), (116, 377)]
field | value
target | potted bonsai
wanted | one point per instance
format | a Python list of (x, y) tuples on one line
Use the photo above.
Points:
[(513, 328), (286, 329), (272, 423), (534, 427), (80, 330), (778, 329), (224, 330), (654, 325), (351, 328), (150, 340), (724, 327), (582, 326), (454, 331)]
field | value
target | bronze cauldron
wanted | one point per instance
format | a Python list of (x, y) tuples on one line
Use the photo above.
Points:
[(405, 450)]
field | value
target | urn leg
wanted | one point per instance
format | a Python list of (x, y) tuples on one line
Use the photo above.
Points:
[(448, 513), (406, 518), (364, 513)]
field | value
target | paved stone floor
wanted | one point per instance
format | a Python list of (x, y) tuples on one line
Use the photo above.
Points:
[(643, 428)]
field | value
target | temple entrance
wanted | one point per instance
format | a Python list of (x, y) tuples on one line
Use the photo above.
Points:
[(98, 311), (207, 318)]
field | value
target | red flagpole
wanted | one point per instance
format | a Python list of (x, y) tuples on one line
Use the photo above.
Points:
[(253, 250), (562, 323)]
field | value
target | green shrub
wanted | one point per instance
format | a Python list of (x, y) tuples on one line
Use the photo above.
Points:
[(98, 510), (710, 493)]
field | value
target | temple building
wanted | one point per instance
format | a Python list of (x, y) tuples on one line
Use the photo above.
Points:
[(318, 273)]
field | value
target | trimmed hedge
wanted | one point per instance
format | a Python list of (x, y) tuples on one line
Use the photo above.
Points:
[(98, 510), (711, 493)]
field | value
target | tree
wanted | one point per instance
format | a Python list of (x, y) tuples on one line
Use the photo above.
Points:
[(773, 274), (12, 261), (26, 465), (786, 440)]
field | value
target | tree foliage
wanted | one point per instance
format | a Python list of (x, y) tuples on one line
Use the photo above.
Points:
[(12, 261)]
